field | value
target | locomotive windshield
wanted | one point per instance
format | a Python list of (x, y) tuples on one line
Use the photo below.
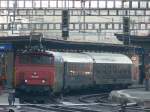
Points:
[(35, 59)]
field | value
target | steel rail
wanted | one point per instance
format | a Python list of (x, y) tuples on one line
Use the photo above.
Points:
[(60, 108)]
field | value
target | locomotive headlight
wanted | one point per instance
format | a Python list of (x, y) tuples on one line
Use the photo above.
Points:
[(25, 81), (43, 81)]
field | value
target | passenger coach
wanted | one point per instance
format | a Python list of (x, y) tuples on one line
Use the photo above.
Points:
[(83, 70)]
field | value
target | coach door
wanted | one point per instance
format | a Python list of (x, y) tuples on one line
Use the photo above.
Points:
[(64, 76)]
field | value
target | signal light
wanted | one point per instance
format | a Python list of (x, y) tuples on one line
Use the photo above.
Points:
[(65, 24), (126, 25)]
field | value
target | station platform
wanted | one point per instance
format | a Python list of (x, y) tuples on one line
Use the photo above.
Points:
[(4, 105), (138, 95), (4, 98)]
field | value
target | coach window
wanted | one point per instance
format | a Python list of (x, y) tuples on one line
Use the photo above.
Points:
[(120, 69), (117, 69), (113, 69), (128, 71), (71, 68), (46, 60), (77, 69), (81, 69), (107, 68), (103, 68), (41, 60)]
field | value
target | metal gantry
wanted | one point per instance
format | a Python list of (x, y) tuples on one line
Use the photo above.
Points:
[(11, 10), (92, 7), (75, 26), (76, 12)]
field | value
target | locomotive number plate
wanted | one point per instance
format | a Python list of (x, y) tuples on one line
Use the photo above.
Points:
[(33, 76)]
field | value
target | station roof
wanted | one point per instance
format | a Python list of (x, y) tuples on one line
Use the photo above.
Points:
[(142, 41), (19, 42), (133, 38)]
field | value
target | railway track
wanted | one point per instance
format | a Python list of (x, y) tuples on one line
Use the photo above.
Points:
[(61, 108), (3, 108), (102, 100), (85, 98), (87, 103)]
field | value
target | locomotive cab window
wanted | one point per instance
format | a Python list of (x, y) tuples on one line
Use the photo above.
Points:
[(24, 59), (36, 59)]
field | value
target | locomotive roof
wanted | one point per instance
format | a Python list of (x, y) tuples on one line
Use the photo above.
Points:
[(110, 58)]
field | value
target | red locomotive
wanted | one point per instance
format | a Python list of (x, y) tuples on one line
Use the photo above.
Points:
[(34, 72)]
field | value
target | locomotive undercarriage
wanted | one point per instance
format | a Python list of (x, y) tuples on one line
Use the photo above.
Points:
[(35, 90), (45, 94), (33, 93)]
